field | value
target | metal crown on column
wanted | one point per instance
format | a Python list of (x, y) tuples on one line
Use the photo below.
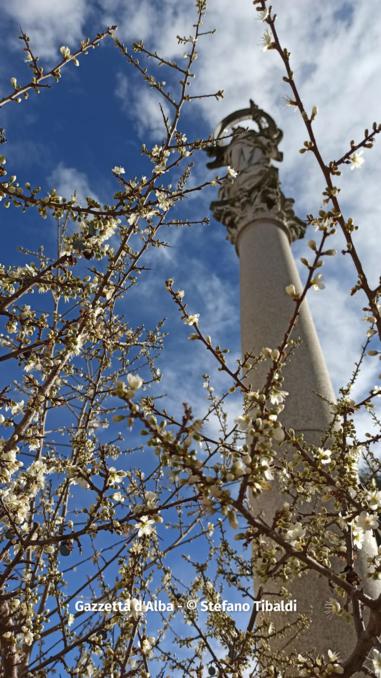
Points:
[(261, 223)]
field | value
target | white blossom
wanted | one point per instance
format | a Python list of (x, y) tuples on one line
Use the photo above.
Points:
[(333, 656), (77, 344), (267, 41), (28, 637), (263, 14), (277, 396), (150, 499), (317, 282), (136, 607), (295, 533), (374, 500), (367, 521), (134, 381), (266, 470), (324, 456), (376, 661), (357, 160), (358, 536), (291, 291), (116, 476), (147, 644), (145, 526), (192, 319), (132, 219), (65, 51), (156, 151), (16, 408), (118, 170)]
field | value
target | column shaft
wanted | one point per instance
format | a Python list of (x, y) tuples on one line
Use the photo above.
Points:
[(266, 268)]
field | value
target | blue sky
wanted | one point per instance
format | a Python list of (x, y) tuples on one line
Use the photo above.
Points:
[(98, 116)]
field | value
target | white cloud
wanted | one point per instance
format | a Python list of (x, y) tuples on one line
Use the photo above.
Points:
[(49, 23), (68, 180), (142, 104), (27, 153), (232, 59), (339, 320), (183, 382), (159, 22), (332, 51), (122, 90), (219, 305), (365, 425), (332, 46), (136, 21)]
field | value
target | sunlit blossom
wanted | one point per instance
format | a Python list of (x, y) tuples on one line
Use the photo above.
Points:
[(317, 283), (267, 41), (291, 291), (134, 381), (232, 172), (324, 456), (367, 521), (376, 661), (192, 319), (118, 170), (357, 160), (145, 526), (65, 51), (295, 533)]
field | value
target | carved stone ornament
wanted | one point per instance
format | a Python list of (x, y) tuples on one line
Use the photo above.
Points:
[(251, 189)]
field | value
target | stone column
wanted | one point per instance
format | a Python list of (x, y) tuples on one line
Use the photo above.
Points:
[(261, 224)]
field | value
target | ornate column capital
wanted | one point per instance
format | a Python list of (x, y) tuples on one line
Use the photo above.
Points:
[(251, 190)]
